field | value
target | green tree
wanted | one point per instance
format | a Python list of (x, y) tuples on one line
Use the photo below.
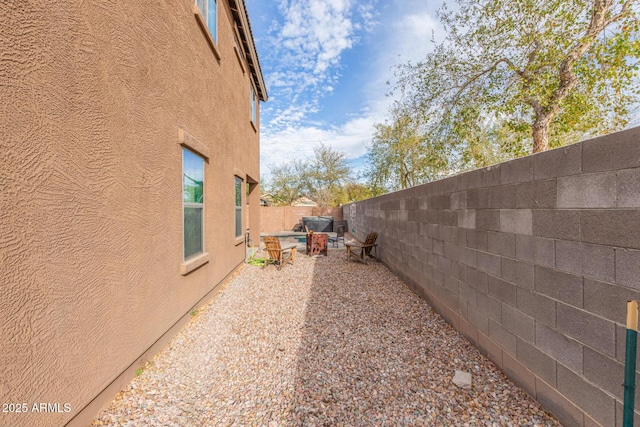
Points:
[(322, 178), (401, 154), (326, 175), (356, 191), (479, 142), (551, 71), (286, 184)]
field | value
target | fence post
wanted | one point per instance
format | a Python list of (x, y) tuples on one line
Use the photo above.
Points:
[(630, 363)]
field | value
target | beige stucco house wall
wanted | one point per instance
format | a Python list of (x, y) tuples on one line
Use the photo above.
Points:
[(97, 102)]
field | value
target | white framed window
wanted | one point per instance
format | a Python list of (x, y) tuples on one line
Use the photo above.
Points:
[(209, 11), (253, 104), (238, 46), (192, 204), (238, 205)]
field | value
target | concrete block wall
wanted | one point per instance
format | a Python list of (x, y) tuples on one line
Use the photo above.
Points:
[(532, 260)]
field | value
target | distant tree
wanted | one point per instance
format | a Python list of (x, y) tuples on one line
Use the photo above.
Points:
[(286, 184), (401, 154), (326, 175), (549, 71), (321, 178), (478, 142), (356, 191)]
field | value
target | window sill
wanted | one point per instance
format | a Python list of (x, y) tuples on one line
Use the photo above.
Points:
[(239, 240), (191, 264), (253, 125), (203, 26)]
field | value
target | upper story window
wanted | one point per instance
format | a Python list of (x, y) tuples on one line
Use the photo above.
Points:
[(209, 12), (192, 203), (253, 104), (238, 47), (239, 51)]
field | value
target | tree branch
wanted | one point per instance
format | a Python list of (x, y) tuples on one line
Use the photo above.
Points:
[(623, 11), (598, 23), (489, 70)]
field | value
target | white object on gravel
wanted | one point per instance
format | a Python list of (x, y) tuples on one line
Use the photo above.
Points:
[(462, 379)]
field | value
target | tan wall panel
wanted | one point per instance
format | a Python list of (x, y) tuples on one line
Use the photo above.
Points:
[(285, 218), (90, 173)]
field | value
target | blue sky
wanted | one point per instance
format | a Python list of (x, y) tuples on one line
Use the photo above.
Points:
[(326, 64)]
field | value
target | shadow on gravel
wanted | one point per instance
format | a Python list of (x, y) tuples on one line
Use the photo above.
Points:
[(373, 353)]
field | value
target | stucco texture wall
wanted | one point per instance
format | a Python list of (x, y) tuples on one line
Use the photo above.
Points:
[(92, 96), (533, 260)]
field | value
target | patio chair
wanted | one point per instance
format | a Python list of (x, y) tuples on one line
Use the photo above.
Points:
[(361, 251), (278, 255), (339, 235)]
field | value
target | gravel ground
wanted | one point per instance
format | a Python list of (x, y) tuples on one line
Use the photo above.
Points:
[(320, 343)]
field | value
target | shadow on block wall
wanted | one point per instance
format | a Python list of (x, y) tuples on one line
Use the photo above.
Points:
[(534, 261)]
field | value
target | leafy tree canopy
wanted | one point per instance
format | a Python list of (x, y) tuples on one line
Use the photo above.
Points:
[(401, 154), (285, 185), (322, 178), (326, 174), (540, 72)]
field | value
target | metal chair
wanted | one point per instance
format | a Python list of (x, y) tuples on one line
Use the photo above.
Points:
[(339, 236)]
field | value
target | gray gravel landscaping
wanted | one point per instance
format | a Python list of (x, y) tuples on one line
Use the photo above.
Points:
[(320, 343)]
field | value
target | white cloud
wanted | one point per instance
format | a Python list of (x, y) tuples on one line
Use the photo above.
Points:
[(413, 34), (309, 44), (305, 49), (292, 115), (406, 35), (312, 38), (298, 142)]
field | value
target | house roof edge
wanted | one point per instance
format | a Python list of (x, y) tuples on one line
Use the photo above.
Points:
[(241, 16)]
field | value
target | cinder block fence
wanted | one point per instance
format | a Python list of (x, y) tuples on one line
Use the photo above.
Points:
[(532, 260)]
